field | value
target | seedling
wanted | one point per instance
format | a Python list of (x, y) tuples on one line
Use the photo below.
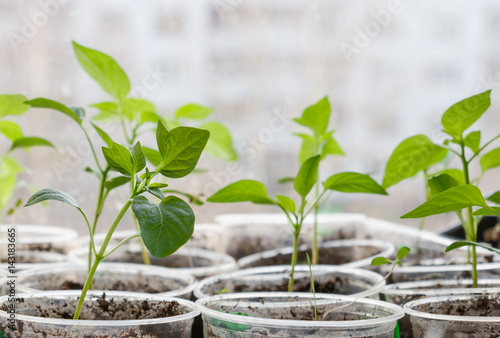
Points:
[(138, 116), (256, 192), (459, 193), (164, 226), (321, 142), (10, 168)]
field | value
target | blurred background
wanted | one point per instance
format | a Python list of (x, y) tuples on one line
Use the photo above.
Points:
[(389, 68)]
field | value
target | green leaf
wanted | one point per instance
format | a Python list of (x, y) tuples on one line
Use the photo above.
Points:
[(104, 70), (220, 143), (135, 108), (46, 103), (487, 211), (12, 104), (495, 197), (116, 182), (286, 180), (287, 203), (79, 111), (456, 174), (307, 176), (138, 158), (119, 158), (52, 194), (152, 155), (440, 183), (331, 147), (381, 261), (156, 192), (27, 142), (316, 116), (180, 149), (308, 147), (460, 244), (353, 182), (105, 137), (157, 185), (463, 114), (402, 252), (411, 156), (242, 191), (165, 227), (11, 130), (490, 160), (453, 199), (193, 111), (473, 140)]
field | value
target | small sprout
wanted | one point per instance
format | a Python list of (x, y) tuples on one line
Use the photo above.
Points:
[(221, 292)]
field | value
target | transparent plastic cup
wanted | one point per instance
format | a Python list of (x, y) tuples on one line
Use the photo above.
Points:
[(444, 316), (25, 260), (197, 262), (329, 279), (255, 315), (354, 253), (27, 322), (109, 276)]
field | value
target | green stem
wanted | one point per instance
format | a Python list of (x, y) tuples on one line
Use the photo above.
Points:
[(315, 251), (92, 148), (100, 203), (100, 255), (294, 256)]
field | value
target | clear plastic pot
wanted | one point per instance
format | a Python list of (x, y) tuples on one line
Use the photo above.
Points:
[(24, 260), (109, 276), (473, 315), (355, 253), (38, 238), (328, 279), (246, 234), (254, 315), (199, 263), (27, 321)]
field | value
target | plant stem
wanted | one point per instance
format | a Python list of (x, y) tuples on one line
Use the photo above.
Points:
[(315, 251), (294, 255), (100, 254), (100, 203)]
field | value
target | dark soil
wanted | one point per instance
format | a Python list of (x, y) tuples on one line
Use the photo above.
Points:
[(331, 256), (102, 308)]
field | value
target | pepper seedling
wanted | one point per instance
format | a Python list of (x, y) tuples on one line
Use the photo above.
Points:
[(164, 226), (307, 176), (459, 193)]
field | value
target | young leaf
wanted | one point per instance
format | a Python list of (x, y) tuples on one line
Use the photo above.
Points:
[(331, 147), (12, 104), (353, 182), (162, 138), (104, 70), (26, 142), (11, 130), (286, 180), (193, 111), (440, 183), (52, 194), (316, 116), (463, 114), (487, 211), (165, 227), (456, 174), (381, 261), (242, 191), (287, 203), (105, 137), (138, 158), (180, 150), (119, 158), (490, 160), (46, 103), (79, 111), (495, 197), (473, 140), (116, 182), (137, 107), (411, 156), (157, 185), (460, 244), (402, 252), (452, 199), (307, 176), (220, 143), (156, 192), (152, 155)]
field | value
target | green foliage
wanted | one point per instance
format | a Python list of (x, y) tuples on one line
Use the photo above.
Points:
[(351, 182), (46, 103), (242, 191), (402, 253), (307, 176)]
